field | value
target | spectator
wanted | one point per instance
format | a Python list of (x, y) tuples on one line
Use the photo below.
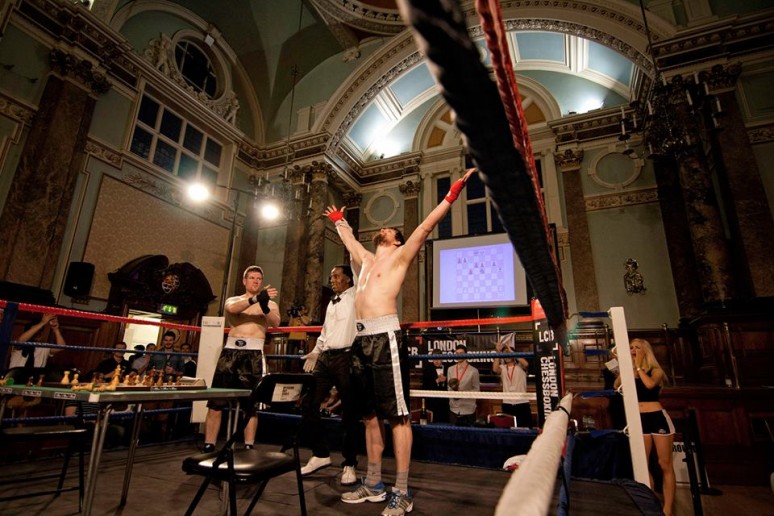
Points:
[(434, 379), (462, 377), (173, 364), (140, 360), (34, 332), (116, 361), (189, 363), (513, 376)]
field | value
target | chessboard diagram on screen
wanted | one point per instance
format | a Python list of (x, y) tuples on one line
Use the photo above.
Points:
[(481, 271)]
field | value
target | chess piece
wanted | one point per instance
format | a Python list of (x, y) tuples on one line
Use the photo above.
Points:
[(75, 379), (116, 377), (30, 381), (66, 378), (40, 380)]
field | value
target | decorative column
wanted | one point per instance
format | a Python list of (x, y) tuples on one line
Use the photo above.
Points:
[(583, 273), (410, 190), (33, 220), (749, 216), (679, 127), (678, 238), (315, 241), (247, 242), (295, 251)]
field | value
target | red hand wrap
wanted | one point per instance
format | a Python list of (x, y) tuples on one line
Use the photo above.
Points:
[(336, 216), (455, 190)]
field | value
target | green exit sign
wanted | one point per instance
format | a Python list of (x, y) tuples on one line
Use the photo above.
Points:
[(168, 309)]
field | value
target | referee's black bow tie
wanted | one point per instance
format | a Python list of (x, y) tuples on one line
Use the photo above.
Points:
[(336, 299)]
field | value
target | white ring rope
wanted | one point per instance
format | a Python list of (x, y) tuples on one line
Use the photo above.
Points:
[(481, 395), (531, 487)]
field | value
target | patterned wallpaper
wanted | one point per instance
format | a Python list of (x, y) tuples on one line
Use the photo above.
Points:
[(129, 223)]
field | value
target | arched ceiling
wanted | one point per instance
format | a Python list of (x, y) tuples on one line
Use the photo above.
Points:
[(569, 73)]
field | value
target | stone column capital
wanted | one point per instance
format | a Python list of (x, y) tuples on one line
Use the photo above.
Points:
[(353, 199), (722, 77), (410, 189), (82, 70), (320, 171), (570, 160)]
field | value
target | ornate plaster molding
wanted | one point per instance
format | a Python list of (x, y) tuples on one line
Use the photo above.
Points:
[(10, 108), (103, 153), (82, 70), (764, 134), (365, 17), (619, 200)]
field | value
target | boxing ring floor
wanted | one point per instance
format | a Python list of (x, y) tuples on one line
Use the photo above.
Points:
[(160, 487)]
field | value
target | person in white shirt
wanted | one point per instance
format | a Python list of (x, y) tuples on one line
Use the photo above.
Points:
[(462, 377), (37, 357), (513, 375), (330, 362)]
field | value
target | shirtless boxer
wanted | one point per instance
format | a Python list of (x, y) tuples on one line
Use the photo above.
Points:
[(241, 363), (379, 357)]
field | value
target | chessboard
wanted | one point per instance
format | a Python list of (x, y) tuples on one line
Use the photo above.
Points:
[(132, 382), (133, 388)]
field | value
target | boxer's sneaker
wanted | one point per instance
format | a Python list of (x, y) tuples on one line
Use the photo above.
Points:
[(365, 494), (348, 476), (314, 464), (400, 503)]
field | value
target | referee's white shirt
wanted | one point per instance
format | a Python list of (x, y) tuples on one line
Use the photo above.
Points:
[(339, 329)]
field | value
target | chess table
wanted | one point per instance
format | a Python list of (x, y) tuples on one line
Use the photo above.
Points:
[(106, 401)]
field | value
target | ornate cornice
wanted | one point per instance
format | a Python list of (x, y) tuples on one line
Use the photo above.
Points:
[(70, 23), (365, 17), (764, 134), (390, 169), (587, 127), (69, 65), (583, 31), (618, 200), (726, 39)]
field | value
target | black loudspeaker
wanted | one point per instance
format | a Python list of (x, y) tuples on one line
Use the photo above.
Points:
[(79, 278)]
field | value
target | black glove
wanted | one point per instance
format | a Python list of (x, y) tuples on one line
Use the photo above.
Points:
[(262, 298)]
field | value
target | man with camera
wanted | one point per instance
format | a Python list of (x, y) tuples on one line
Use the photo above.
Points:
[(330, 363)]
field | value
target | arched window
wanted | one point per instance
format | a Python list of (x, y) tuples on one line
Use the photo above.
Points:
[(196, 67)]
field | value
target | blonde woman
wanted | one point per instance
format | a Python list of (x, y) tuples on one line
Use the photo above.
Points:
[(657, 428)]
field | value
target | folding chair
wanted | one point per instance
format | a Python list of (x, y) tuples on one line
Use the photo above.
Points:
[(254, 466), (44, 435)]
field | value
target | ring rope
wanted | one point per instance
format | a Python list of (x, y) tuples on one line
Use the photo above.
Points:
[(479, 395), (531, 487), (27, 307), (92, 348), (124, 414), (277, 329)]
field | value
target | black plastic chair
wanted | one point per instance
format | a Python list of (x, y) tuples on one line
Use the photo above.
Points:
[(254, 466), (75, 437)]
